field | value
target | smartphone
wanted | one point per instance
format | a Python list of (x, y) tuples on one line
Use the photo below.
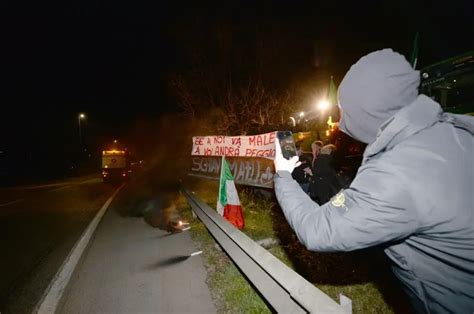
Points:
[(287, 144)]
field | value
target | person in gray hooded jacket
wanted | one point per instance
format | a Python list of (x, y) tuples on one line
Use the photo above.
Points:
[(414, 190)]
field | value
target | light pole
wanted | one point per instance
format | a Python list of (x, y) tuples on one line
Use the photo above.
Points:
[(80, 117), (293, 120)]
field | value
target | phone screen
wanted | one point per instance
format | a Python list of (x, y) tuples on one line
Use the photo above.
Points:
[(287, 144)]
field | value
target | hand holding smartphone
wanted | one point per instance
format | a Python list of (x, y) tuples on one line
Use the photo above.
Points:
[(287, 144), (286, 158)]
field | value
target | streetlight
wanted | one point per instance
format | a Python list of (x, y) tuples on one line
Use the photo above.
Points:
[(80, 117), (323, 105), (301, 114)]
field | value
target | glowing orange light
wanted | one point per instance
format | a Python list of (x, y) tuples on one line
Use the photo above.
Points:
[(113, 151)]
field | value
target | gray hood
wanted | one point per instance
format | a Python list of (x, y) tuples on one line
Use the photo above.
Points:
[(375, 88)]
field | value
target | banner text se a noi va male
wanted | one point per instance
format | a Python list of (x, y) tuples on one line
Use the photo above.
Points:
[(262, 145)]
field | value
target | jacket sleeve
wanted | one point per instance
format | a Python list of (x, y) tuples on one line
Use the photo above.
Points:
[(376, 208)]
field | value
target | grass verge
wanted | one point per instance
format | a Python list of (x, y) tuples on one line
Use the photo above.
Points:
[(362, 276)]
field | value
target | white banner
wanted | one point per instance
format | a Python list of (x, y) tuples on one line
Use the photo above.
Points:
[(246, 171), (262, 145)]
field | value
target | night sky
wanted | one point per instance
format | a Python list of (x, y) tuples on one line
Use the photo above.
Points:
[(112, 60)]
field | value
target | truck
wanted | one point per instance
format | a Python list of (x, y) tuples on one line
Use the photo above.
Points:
[(115, 165), (451, 83)]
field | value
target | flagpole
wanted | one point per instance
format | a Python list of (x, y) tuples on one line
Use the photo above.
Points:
[(414, 52)]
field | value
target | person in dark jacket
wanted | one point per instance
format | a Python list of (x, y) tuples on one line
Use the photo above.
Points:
[(413, 191), (302, 173), (315, 149), (324, 182)]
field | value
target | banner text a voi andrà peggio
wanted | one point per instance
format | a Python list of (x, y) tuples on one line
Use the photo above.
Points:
[(262, 145)]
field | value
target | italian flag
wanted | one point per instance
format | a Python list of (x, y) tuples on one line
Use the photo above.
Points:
[(228, 203)]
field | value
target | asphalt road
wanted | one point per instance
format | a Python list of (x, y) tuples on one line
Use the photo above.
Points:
[(130, 265), (39, 224)]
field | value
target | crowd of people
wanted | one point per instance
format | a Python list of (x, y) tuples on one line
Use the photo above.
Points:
[(412, 195), (317, 175)]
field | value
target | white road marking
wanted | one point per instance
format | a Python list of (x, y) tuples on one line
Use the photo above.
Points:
[(42, 186), (12, 202), (62, 188), (95, 180), (52, 185), (53, 294), (70, 185)]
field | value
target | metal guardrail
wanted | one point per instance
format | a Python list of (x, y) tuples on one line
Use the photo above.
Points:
[(283, 289)]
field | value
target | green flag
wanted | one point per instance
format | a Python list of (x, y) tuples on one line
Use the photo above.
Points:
[(332, 93), (414, 52)]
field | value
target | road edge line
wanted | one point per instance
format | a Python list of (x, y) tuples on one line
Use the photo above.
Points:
[(11, 202), (53, 294)]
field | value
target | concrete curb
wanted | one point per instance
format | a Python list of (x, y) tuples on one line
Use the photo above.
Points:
[(53, 294)]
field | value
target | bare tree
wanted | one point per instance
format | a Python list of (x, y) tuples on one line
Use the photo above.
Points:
[(229, 83), (253, 109)]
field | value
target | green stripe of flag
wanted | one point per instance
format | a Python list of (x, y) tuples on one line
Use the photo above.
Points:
[(226, 174), (414, 52)]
